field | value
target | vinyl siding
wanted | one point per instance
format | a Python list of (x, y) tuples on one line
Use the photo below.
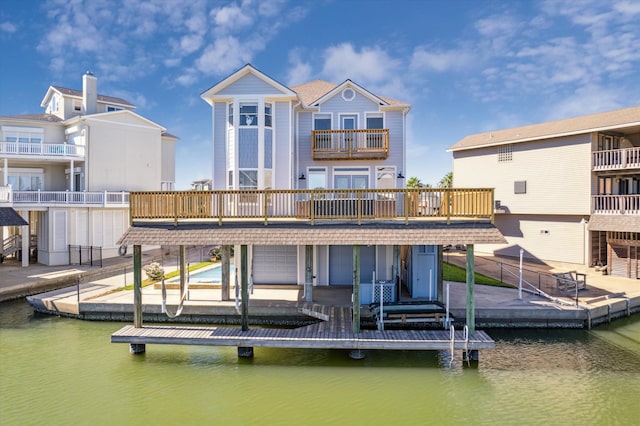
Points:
[(282, 130), (248, 148), (249, 85), (219, 145), (556, 171), (543, 238)]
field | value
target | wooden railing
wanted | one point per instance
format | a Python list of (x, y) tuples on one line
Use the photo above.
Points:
[(617, 159), (41, 149), (616, 204), (350, 144), (313, 205)]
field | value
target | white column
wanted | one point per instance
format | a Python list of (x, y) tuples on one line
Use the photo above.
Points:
[(72, 176), (5, 170), (24, 229)]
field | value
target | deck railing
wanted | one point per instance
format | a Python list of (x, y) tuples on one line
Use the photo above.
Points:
[(56, 198), (350, 144), (616, 204), (41, 149), (617, 159), (313, 205)]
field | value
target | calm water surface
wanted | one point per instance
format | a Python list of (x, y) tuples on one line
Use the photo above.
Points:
[(63, 371)]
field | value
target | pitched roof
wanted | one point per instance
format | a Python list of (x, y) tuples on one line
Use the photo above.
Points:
[(314, 90), (101, 98), (9, 217), (622, 118), (34, 117), (284, 234), (620, 223)]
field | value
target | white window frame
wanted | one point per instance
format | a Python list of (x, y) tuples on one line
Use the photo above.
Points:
[(256, 115)]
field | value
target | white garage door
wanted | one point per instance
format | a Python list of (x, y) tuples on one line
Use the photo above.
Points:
[(275, 265)]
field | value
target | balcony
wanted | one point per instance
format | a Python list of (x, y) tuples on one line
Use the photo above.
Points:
[(361, 144), (313, 205), (617, 159), (35, 149), (616, 204), (64, 198)]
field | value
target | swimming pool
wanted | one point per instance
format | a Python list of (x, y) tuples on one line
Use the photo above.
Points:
[(210, 275)]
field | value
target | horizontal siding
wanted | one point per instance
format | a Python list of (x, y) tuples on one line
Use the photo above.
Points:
[(249, 85), (282, 133), (360, 104), (248, 148), (219, 112), (543, 238), (557, 174)]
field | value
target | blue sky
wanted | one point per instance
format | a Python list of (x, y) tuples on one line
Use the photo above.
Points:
[(465, 66)]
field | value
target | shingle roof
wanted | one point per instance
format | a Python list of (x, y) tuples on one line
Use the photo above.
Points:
[(101, 98), (418, 233), (587, 123), (34, 117), (9, 217), (620, 223)]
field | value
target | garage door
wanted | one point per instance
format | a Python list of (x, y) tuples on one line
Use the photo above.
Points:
[(275, 265), (341, 264)]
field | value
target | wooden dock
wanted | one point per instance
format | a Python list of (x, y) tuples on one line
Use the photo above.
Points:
[(336, 333)]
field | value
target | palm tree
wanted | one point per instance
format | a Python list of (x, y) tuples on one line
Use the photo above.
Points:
[(414, 182), (446, 181)]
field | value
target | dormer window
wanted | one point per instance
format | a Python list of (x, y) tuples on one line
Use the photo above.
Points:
[(111, 108), (249, 114), (77, 105)]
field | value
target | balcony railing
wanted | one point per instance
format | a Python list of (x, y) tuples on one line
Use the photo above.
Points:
[(358, 144), (313, 205), (617, 159), (59, 198), (616, 204), (41, 149)]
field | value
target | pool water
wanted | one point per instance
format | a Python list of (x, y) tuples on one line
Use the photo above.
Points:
[(209, 275)]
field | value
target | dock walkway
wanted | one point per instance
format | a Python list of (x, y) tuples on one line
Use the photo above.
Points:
[(336, 333)]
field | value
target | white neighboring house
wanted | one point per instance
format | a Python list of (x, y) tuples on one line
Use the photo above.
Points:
[(566, 191), (68, 171)]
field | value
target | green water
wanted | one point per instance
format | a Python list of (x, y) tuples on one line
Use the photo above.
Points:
[(59, 371)]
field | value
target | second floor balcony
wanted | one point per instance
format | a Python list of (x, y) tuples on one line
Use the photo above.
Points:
[(617, 159), (39, 149), (355, 205), (616, 204), (360, 144), (63, 198)]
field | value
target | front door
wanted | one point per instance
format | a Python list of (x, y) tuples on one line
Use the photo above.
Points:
[(348, 122)]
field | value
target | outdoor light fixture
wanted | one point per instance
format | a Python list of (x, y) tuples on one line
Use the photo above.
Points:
[(400, 176), (302, 176)]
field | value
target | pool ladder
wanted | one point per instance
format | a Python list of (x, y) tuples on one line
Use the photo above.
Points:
[(452, 339)]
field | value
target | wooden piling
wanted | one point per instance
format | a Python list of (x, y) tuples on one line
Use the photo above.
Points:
[(356, 289), (225, 266), (471, 314), (308, 273)]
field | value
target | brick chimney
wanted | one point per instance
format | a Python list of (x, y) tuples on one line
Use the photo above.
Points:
[(89, 93)]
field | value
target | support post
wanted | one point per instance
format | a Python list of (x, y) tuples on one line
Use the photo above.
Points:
[(471, 318), (439, 273), (136, 348), (225, 264), (244, 352), (471, 355), (356, 289), (183, 269), (308, 273)]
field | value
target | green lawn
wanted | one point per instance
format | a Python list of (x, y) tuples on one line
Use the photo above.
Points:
[(451, 272)]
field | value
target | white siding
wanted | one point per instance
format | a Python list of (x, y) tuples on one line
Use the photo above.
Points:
[(556, 171), (220, 111), (249, 85)]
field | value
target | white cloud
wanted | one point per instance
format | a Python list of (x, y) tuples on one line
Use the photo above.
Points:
[(8, 27), (440, 61), (232, 18), (225, 55), (299, 71), (587, 100), (369, 65)]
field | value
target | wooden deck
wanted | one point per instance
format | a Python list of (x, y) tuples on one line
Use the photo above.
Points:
[(336, 333)]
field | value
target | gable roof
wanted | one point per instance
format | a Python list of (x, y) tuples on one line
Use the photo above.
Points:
[(111, 114), (208, 94), (317, 91), (619, 119), (78, 94)]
